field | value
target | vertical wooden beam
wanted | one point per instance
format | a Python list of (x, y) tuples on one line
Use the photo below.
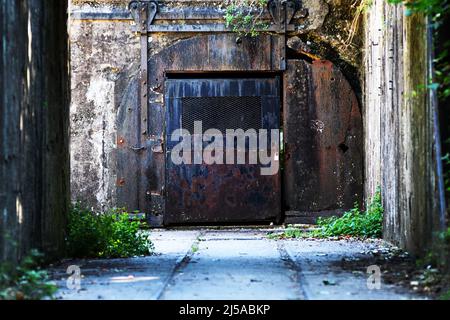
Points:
[(13, 101), (399, 130), (34, 97)]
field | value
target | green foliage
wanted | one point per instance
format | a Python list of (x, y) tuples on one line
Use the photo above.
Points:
[(443, 238), (437, 262), (443, 71), (445, 295), (26, 281), (354, 222), (446, 172), (290, 233), (244, 16), (446, 160), (368, 224), (435, 8), (294, 233), (108, 235), (195, 248)]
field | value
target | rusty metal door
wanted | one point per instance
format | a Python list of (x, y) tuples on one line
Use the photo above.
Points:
[(221, 193)]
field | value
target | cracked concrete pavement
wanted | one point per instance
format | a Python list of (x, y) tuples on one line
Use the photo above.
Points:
[(228, 264)]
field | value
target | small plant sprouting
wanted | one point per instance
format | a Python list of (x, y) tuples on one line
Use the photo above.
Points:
[(291, 232), (194, 248), (245, 16)]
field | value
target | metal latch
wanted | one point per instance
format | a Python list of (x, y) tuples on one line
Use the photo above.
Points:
[(137, 149), (158, 147)]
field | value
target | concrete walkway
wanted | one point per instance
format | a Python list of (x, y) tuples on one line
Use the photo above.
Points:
[(238, 264)]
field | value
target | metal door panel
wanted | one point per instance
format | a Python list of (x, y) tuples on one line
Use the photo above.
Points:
[(221, 193)]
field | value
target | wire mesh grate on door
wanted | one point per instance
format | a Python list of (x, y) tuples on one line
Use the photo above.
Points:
[(222, 113)]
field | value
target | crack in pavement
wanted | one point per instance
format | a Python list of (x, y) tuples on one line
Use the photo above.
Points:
[(297, 276), (229, 265), (182, 262), (224, 268)]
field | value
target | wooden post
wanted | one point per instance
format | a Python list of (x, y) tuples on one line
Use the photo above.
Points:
[(34, 155), (398, 125)]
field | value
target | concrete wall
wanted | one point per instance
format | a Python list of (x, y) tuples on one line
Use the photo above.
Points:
[(105, 62), (104, 59), (398, 125), (34, 105)]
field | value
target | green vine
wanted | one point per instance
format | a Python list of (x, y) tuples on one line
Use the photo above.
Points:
[(245, 17)]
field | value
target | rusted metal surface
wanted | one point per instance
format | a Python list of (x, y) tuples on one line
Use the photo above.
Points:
[(203, 53), (323, 140), (323, 156), (220, 193), (282, 12), (229, 52), (305, 217), (216, 53), (205, 28), (144, 13), (134, 193)]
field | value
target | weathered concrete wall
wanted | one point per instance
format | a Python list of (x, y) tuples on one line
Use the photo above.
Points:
[(104, 59), (105, 91), (398, 125), (34, 105)]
